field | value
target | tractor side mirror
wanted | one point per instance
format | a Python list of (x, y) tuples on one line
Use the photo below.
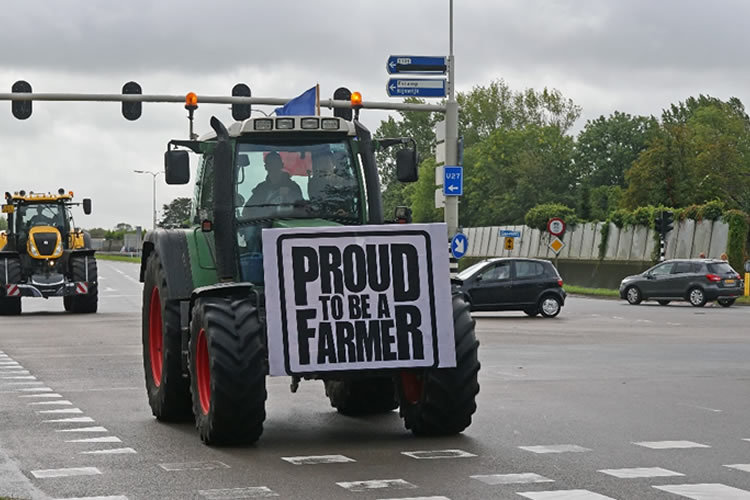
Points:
[(87, 206), (176, 167), (406, 165)]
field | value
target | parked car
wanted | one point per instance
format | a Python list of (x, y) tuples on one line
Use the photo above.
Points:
[(695, 280), (513, 284)]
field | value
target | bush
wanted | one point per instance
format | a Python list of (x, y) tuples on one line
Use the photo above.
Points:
[(621, 217), (642, 216), (711, 210), (738, 232), (538, 216)]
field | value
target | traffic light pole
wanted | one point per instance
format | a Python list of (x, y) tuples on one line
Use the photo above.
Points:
[(451, 133)]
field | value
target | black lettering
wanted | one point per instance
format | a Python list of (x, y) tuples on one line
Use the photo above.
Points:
[(326, 347), (345, 341), (383, 310), (377, 260), (337, 307), (331, 277), (388, 338), (355, 311), (408, 321), (355, 274), (405, 267), (324, 301), (365, 304), (368, 340), (304, 334), (304, 270)]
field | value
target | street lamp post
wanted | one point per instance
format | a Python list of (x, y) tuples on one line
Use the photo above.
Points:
[(153, 191)]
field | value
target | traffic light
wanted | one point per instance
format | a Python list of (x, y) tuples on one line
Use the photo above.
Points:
[(658, 223), (667, 218), (241, 111), (131, 110), (21, 109), (342, 94)]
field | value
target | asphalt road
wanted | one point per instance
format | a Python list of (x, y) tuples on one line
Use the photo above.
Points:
[(606, 401)]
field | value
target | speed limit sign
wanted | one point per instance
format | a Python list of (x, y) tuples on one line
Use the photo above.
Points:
[(556, 226)]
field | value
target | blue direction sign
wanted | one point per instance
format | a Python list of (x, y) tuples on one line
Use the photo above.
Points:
[(506, 233), (422, 65), (459, 245), (416, 87), (453, 180)]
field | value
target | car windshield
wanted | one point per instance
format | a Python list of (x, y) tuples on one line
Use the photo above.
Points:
[(298, 180), (39, 214), (469, 271)]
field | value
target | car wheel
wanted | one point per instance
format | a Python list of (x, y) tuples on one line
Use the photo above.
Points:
[(726, 302), (531, 311), (664, 302), (696, 297), (633, 295), (550, 306)]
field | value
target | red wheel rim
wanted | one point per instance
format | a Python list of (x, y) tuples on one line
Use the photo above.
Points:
[(411, 384), (155, 338), (203, 373)]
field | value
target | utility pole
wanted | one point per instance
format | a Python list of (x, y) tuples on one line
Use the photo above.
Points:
[(451, 132), (153, 190)]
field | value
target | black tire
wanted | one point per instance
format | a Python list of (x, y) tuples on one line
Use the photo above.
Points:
[(664, 302), (362, 397), (550, 306), (441, 401), (84, 269), (67, 303), (531, 311), (168, 391), (10, 272), (697, 297), (227, 371), (726, 302), (633, 295)]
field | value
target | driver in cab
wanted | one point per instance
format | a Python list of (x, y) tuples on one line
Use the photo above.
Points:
[(277, 189)]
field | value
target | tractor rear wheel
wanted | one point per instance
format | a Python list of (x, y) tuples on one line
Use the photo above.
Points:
[(168, 391), (84, 269), (10, 272), (227, 370), (441, 401), (362, 397)]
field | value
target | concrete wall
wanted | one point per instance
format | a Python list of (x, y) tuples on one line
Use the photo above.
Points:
[(629, 244)]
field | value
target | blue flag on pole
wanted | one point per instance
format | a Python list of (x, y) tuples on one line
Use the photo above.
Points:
[(303, 104)]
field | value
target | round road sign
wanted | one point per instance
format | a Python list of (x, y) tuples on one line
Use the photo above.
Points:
[(556, 226)]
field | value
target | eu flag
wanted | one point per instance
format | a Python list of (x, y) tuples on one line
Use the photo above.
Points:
[(303, 104)]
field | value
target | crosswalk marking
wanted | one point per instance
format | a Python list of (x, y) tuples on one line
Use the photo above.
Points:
[(436, 454), (376, 484), (564, 495), (73, 471), (237, 493), (522, 478), (742, 467), (111, 451), (104, 439), (556, 448), (706, 491), (41, 395), (318, 459), (111, 497), (63, 402), (208, 465), (84, 429), (640, 472), (670, 445), (77, 420), (69, 411)]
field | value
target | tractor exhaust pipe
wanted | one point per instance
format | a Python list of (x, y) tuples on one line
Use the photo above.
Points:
[(223, 223)]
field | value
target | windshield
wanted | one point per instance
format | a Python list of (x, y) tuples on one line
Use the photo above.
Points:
[(298, 180), (466, 273), (39, 214)]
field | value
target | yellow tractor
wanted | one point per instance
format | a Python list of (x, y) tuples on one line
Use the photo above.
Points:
[(43, 254)]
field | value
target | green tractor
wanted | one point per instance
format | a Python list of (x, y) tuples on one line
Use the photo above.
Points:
[(223, 307)]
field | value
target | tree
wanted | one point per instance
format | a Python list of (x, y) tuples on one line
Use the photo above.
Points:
[(3, 224), (176, 213)]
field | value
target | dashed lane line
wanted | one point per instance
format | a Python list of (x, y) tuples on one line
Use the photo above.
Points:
[(111, 451), (556, 448), (236, 493), (60, 411), (77, 420), (72, 471), (63, 402), (564, 495), (670, 445), (640, 472), (96, 428), (438, 454), (41, 395), (103, 439), (521, 478), (742, 467), (318, 459), (377, 484), (706, 491), (183, 466)]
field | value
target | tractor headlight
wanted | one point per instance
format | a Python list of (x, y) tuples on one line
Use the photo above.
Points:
[(33, 250), (58, 248)]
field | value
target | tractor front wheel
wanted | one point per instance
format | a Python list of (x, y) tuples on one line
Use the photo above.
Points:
[(227, 370), (83, 269), (10, 272)]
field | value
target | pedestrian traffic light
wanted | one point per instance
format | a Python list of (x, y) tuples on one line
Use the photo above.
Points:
[(21, 109), (667, 218)]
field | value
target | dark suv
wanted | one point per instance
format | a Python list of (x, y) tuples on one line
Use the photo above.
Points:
[(508, 284), (694, 280)]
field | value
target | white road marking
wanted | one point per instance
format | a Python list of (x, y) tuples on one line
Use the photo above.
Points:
[(111, 497), (128, 276), (112, 451), (208, 465), (6, 384), (69, 411), (564, 495), (104, 439), (41, 395), (318, 459), (418, 498), (97, 428), (746, 439), (73, 471), (742, 467), (674, 324), (706, 491), (17, 377), (377, 484), (670, 445), (701, 407), (637, 472), (13, 371), (235, 493), (522, 478), (435, 454), (63, 402), (36, 389), (556, 448), (77, 420)]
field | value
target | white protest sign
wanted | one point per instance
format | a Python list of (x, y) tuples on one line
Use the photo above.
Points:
[(358, 298)]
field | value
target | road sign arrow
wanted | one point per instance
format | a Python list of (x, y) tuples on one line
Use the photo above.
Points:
[(459, 246), (392, 65), (452, 187)]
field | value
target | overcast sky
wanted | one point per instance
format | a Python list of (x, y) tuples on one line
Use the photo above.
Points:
[(635, 56)]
